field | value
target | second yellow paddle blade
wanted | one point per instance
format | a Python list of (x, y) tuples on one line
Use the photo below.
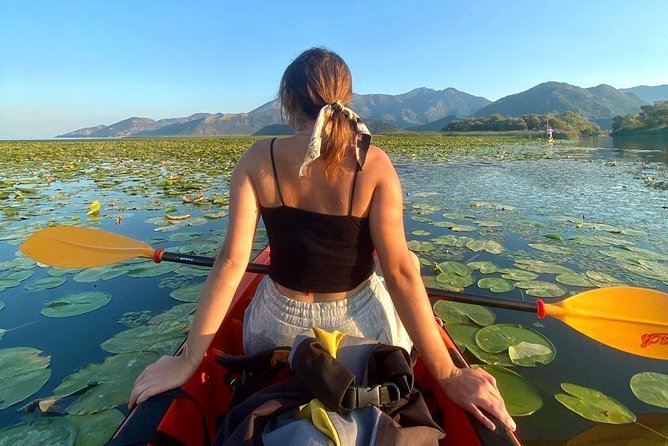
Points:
[(634, 320), (74, 247)]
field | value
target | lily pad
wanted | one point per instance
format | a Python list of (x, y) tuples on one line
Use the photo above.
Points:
[(453, 267), (500, 337), (651, 388), (457, 312), (153, 270), (421, 232), (22, 373), (96, 429), (455, 280), (602, 279), (538, 266), (526, 354), (463, 228), (464, 334), (188, 293), (114, 377), (489, 223), (489, 246), (593, 405), (76, 304), (574, 279), (42, 431), (540, 288), (417, 246), (177, 312), (45, 283), (496, 284), (520, 396), (484, 267), (421, 219), (163, 338)]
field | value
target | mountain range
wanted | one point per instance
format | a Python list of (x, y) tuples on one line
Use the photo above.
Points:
[(421, 109)]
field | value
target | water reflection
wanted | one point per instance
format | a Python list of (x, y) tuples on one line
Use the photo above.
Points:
[(630, 148)]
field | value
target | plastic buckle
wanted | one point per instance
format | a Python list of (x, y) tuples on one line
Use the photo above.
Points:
[(368, 396), (393, 399)]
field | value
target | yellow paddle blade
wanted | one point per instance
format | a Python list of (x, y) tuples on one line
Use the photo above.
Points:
[(634, 320), (74, 247)]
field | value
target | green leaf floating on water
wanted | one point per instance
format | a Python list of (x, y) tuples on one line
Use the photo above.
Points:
[(540, 288), (496, 284), (602, 279), (489, 246), (22, 373), (153, 270), (43, 431), (520, 396), (464, 335), (20, 275), (421, 232), (463, 228), (455, 280), (574, 279), (8, 283), (175, 313), (457, 312), (76, 304), (188, 293), (417, 246), (430, 282), (593, 405), (528, 346), (489, 223), (484, 267), (96, 429), (538, 266), (163, 338), (527, 354), (453, 267), (45, 283), (114, 377), (650, 388)]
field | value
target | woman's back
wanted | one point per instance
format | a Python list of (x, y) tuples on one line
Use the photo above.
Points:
[(318, 224)]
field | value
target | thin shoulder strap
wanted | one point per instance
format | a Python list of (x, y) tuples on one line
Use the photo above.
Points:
[(352, 192), (273, 165)]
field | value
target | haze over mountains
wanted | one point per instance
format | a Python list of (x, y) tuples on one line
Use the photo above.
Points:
[(421, 109)]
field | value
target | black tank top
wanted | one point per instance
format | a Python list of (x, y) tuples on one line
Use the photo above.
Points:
[(314, 252)]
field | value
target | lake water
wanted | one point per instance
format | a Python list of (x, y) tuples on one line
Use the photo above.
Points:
[(572, 203)]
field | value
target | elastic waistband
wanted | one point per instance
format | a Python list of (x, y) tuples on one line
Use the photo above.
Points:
[(336, 311)]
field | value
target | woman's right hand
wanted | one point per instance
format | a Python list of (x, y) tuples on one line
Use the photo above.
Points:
[(168, 372), (474, 389)]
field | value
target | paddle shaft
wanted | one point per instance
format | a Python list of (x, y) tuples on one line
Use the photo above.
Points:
[(507, 304)]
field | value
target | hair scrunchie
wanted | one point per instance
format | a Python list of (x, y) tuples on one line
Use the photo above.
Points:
[(362, 134)]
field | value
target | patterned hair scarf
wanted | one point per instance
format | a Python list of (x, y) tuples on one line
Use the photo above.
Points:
[(362, 135)]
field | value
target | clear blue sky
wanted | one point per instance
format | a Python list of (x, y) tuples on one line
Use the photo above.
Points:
[(70, 64)]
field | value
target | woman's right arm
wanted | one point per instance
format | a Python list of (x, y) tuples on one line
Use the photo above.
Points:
[(173, 371), (472, 389)]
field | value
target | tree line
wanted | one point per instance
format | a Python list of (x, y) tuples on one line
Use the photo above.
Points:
[(566, 124), (650, 118)]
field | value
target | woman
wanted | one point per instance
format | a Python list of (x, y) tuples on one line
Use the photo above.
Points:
[(328, 199)]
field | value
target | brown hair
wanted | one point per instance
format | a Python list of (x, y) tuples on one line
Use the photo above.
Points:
[(315, 78)]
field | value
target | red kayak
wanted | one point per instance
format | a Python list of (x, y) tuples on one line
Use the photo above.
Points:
[(185, 419)]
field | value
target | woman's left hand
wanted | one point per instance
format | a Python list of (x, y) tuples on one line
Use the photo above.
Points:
[(474, 390), (168, 372)]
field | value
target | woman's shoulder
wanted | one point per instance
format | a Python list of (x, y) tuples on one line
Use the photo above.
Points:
[(378, 158)]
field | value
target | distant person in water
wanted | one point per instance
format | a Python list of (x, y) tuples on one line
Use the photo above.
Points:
[(329, 200)]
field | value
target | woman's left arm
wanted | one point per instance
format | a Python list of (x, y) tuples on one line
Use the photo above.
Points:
[(169, 371)]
